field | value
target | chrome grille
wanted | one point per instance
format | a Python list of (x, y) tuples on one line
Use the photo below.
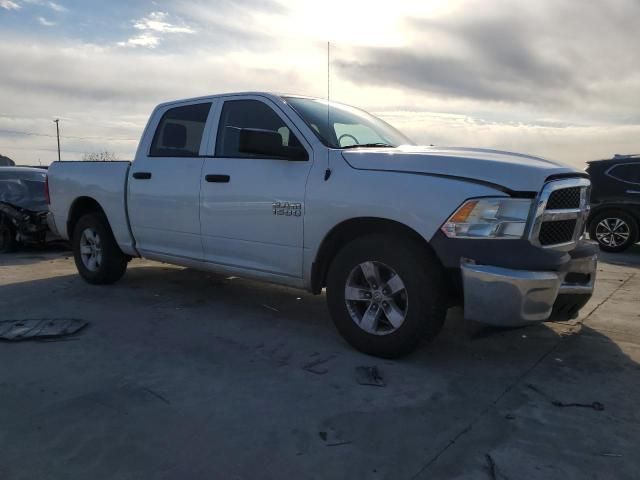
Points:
[(564, 198), (561, 212), (561, 231)]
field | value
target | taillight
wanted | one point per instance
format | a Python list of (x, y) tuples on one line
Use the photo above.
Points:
[(46, 190)]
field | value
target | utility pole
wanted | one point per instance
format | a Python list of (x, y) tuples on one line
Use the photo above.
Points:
[(57, 121)]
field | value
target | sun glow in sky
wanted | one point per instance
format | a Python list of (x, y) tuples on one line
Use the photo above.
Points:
[(558, 78)]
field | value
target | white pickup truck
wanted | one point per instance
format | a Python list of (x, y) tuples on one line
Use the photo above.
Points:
[(295, 191)]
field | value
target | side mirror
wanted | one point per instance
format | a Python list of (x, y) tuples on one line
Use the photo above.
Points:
[(269, 143)]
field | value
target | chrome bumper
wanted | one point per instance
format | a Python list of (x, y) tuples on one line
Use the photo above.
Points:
[(506, 297)]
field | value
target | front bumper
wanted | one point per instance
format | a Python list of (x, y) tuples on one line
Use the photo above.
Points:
[(509, 297)]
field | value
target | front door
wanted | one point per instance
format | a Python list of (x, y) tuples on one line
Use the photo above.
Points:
[(252, 206), (164, 185)]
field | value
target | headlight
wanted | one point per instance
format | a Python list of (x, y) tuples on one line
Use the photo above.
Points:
[(489, 218)]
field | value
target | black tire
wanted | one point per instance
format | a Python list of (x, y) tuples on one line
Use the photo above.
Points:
[(113, 262), (8, 242), (568, 305), (628, 219), (422, 277)]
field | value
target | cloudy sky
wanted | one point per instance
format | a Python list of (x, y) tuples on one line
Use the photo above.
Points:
[(557, 78)]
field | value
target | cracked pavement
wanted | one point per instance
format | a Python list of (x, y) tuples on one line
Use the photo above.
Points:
[(185, 374)]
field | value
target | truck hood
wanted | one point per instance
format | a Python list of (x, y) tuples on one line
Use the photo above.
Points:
[(511, 171)]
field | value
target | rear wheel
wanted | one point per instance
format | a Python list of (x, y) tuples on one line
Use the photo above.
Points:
[(614, 230), (386, 295), (97, 256)]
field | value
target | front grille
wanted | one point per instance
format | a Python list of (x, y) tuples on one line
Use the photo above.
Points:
[(560, 231), (564, 198), (562, 209)]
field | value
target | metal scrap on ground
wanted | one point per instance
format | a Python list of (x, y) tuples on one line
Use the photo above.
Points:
[(597, 406), (369, 376), (40, 328)]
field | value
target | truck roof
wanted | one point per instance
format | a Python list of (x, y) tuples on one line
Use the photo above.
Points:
[(272, 95)]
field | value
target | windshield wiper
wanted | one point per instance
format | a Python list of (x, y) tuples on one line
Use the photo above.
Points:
[(369, 145)]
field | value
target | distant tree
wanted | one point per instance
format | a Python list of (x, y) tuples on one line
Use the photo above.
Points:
[(105, 156)]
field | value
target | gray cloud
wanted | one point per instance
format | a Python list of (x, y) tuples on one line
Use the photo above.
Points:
[(554, 54)]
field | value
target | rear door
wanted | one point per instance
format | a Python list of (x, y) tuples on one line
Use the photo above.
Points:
[(164, 183), (252, 206)]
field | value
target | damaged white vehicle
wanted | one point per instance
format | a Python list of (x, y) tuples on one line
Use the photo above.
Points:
[(283, 189)]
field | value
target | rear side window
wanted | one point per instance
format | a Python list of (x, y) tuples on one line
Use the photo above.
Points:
[(179, 132), (238, 114), (629, 172)]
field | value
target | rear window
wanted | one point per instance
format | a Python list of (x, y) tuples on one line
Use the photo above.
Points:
[(179, 132), (629, 172)]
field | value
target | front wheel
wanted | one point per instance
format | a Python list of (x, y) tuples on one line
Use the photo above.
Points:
[(614, 230), (386, 295), (97, 256)]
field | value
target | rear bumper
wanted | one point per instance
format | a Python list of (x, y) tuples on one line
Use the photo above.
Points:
[(509, 297)]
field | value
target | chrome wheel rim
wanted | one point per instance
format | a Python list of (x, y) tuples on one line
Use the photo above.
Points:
[(376, 298), (90, 249), (612, 232)]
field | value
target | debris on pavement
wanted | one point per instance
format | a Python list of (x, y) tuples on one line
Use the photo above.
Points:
[(273, 309), (40, 328), (337, 444), (369, 376), (315, 366), (597, 406), (491, 467)]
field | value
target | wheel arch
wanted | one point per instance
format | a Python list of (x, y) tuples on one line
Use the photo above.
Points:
[(80, 207), (349, 230), (614, 207)]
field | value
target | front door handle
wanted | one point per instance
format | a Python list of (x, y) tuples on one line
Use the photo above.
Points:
[(142, 175), (217, 178)]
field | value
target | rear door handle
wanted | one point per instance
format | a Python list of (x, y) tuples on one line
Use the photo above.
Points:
[(635, 192), (217, 178), (142, 175)]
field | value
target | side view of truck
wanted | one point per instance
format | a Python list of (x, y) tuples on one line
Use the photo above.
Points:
[(295, 191)]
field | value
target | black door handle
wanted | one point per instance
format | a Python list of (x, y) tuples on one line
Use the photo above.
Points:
[(142, 175), (217, 178)]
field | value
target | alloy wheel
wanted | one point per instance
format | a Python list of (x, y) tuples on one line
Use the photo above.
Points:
[(90, 249), (376, 298), (612, 232)]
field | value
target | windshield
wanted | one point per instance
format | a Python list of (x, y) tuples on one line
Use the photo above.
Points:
[(348, 127)]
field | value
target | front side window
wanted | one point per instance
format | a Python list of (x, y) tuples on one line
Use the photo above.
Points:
[(180, 130), (253, 114), (629, 173), (342, 126)]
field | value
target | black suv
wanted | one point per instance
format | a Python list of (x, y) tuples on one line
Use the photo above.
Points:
[(615, 202)]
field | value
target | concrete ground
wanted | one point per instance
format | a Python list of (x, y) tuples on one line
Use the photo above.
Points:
[(188, 375)]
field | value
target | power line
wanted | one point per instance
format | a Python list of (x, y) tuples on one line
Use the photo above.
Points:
[(34, 134)]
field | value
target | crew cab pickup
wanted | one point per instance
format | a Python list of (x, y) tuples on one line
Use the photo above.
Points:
[(309, 194)]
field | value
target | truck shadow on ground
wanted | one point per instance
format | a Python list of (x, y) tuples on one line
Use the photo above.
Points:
[(628, 258), (31, 253), (149, 293)]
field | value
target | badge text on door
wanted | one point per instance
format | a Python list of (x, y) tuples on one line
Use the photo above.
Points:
[(289, 209)]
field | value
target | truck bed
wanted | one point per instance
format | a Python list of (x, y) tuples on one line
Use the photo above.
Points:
[(105, 182)]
